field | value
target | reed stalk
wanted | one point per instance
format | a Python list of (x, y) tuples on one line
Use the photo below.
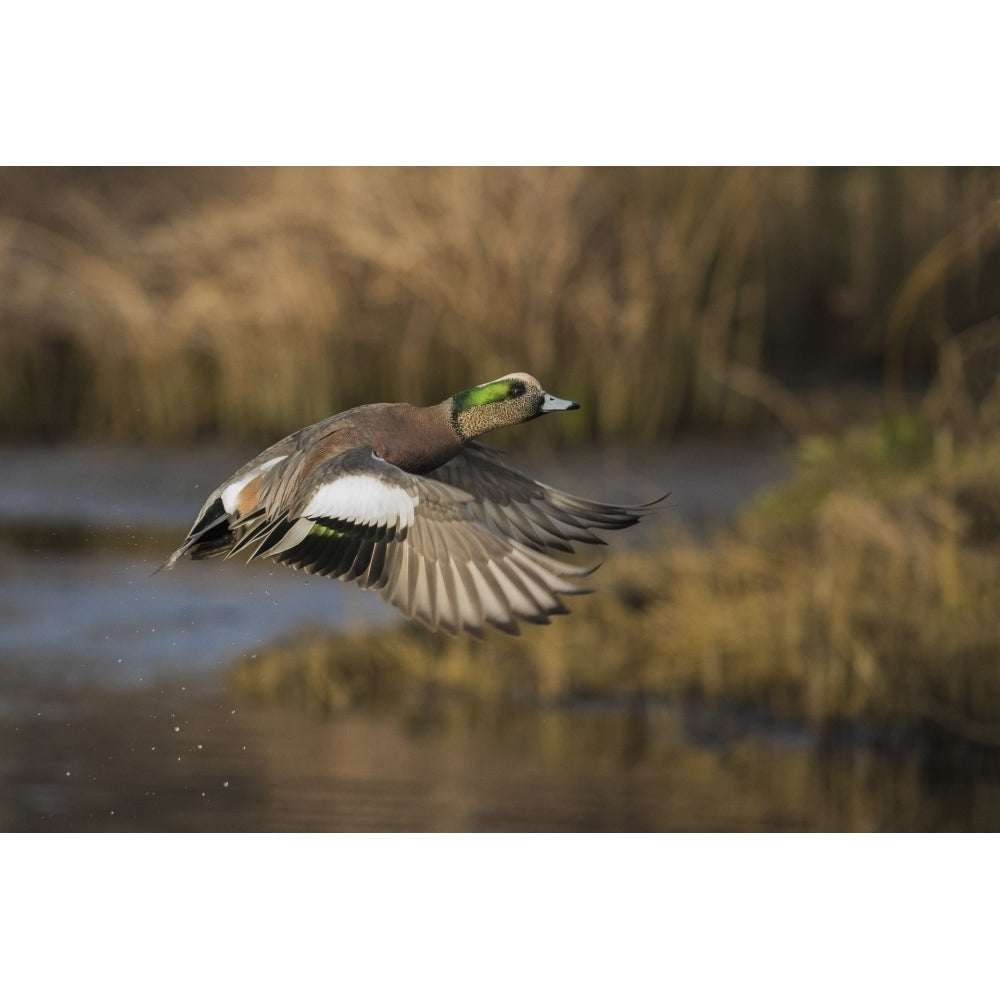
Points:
[(173, 305)]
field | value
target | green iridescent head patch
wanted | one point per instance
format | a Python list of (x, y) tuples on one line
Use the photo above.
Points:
[(492, 392)]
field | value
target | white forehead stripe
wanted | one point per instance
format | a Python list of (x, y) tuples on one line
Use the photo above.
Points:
[(363, 500)]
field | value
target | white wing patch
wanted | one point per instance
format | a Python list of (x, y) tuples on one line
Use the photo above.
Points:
[(231, 493), (363, 500)]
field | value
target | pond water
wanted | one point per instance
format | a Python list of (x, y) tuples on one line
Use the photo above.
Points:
[(115, 715)]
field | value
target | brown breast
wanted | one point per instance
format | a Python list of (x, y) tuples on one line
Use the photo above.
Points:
[(415, 438)]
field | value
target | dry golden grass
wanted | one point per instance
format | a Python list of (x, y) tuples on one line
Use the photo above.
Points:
[(174, 304), (171, 304), (865, 591)]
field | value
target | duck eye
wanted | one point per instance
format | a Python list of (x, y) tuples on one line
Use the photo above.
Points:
[(516, 389)]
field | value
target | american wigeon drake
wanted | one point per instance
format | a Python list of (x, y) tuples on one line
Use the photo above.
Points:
[(403, 501)]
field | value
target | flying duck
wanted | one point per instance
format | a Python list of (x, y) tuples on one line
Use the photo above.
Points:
[(402, 500)]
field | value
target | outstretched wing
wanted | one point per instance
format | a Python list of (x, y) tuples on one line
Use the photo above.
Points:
[(417, 541), (527, 511)]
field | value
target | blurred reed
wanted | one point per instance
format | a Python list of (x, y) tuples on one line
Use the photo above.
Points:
[(863, 591), (858, 607), (172, 304)]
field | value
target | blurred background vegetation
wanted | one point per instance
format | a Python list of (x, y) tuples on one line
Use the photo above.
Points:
[(856, 309), (169, 304)]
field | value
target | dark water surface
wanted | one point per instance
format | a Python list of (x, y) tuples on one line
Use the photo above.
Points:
[(177, 761), (114, 713)]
